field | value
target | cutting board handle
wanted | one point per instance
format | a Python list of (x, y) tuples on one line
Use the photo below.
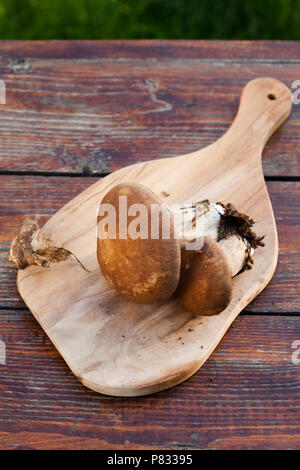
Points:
[(265, 103)]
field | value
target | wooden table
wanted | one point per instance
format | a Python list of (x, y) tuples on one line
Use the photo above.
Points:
[(76, 111)]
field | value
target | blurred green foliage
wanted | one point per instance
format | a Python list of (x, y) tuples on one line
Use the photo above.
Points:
[(137, 19)]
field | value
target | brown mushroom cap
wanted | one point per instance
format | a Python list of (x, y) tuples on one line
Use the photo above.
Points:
[(205, 285), (142, 270)]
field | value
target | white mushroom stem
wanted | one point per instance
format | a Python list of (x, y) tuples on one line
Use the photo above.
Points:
[(235, 247)]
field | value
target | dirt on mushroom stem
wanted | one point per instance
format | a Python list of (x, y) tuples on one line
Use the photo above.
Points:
[(205, 286), (234, 222), (227, 226)]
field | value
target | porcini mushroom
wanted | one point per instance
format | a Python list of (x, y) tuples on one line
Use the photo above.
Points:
[(205, 285), (224, 224), (149, 270), (142, 269)]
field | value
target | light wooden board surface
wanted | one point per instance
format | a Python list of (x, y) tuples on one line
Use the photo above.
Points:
[(119, 348)]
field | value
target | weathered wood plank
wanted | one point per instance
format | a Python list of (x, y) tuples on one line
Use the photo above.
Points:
[(230, 50), (245, 396), (96, 106), (23, 196)]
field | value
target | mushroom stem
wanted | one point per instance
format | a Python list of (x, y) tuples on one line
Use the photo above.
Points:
[(32, 247), (222, 223), (205, 286)]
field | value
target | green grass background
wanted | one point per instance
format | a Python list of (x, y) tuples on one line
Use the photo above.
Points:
[(138, 19)]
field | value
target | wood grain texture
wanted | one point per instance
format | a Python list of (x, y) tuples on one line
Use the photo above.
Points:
[(265, 51), (246, 396), (41, 197), (95, 107)]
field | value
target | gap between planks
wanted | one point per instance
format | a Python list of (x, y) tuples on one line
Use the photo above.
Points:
[(85, 174), (243, 312)]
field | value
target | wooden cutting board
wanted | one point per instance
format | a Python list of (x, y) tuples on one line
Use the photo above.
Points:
[(120, 348)]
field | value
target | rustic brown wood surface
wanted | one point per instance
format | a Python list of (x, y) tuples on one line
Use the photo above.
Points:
[(244, 396), (95, 107), (89, 108)]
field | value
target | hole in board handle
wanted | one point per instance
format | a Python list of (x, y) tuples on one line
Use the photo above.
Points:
[(271, 96)]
